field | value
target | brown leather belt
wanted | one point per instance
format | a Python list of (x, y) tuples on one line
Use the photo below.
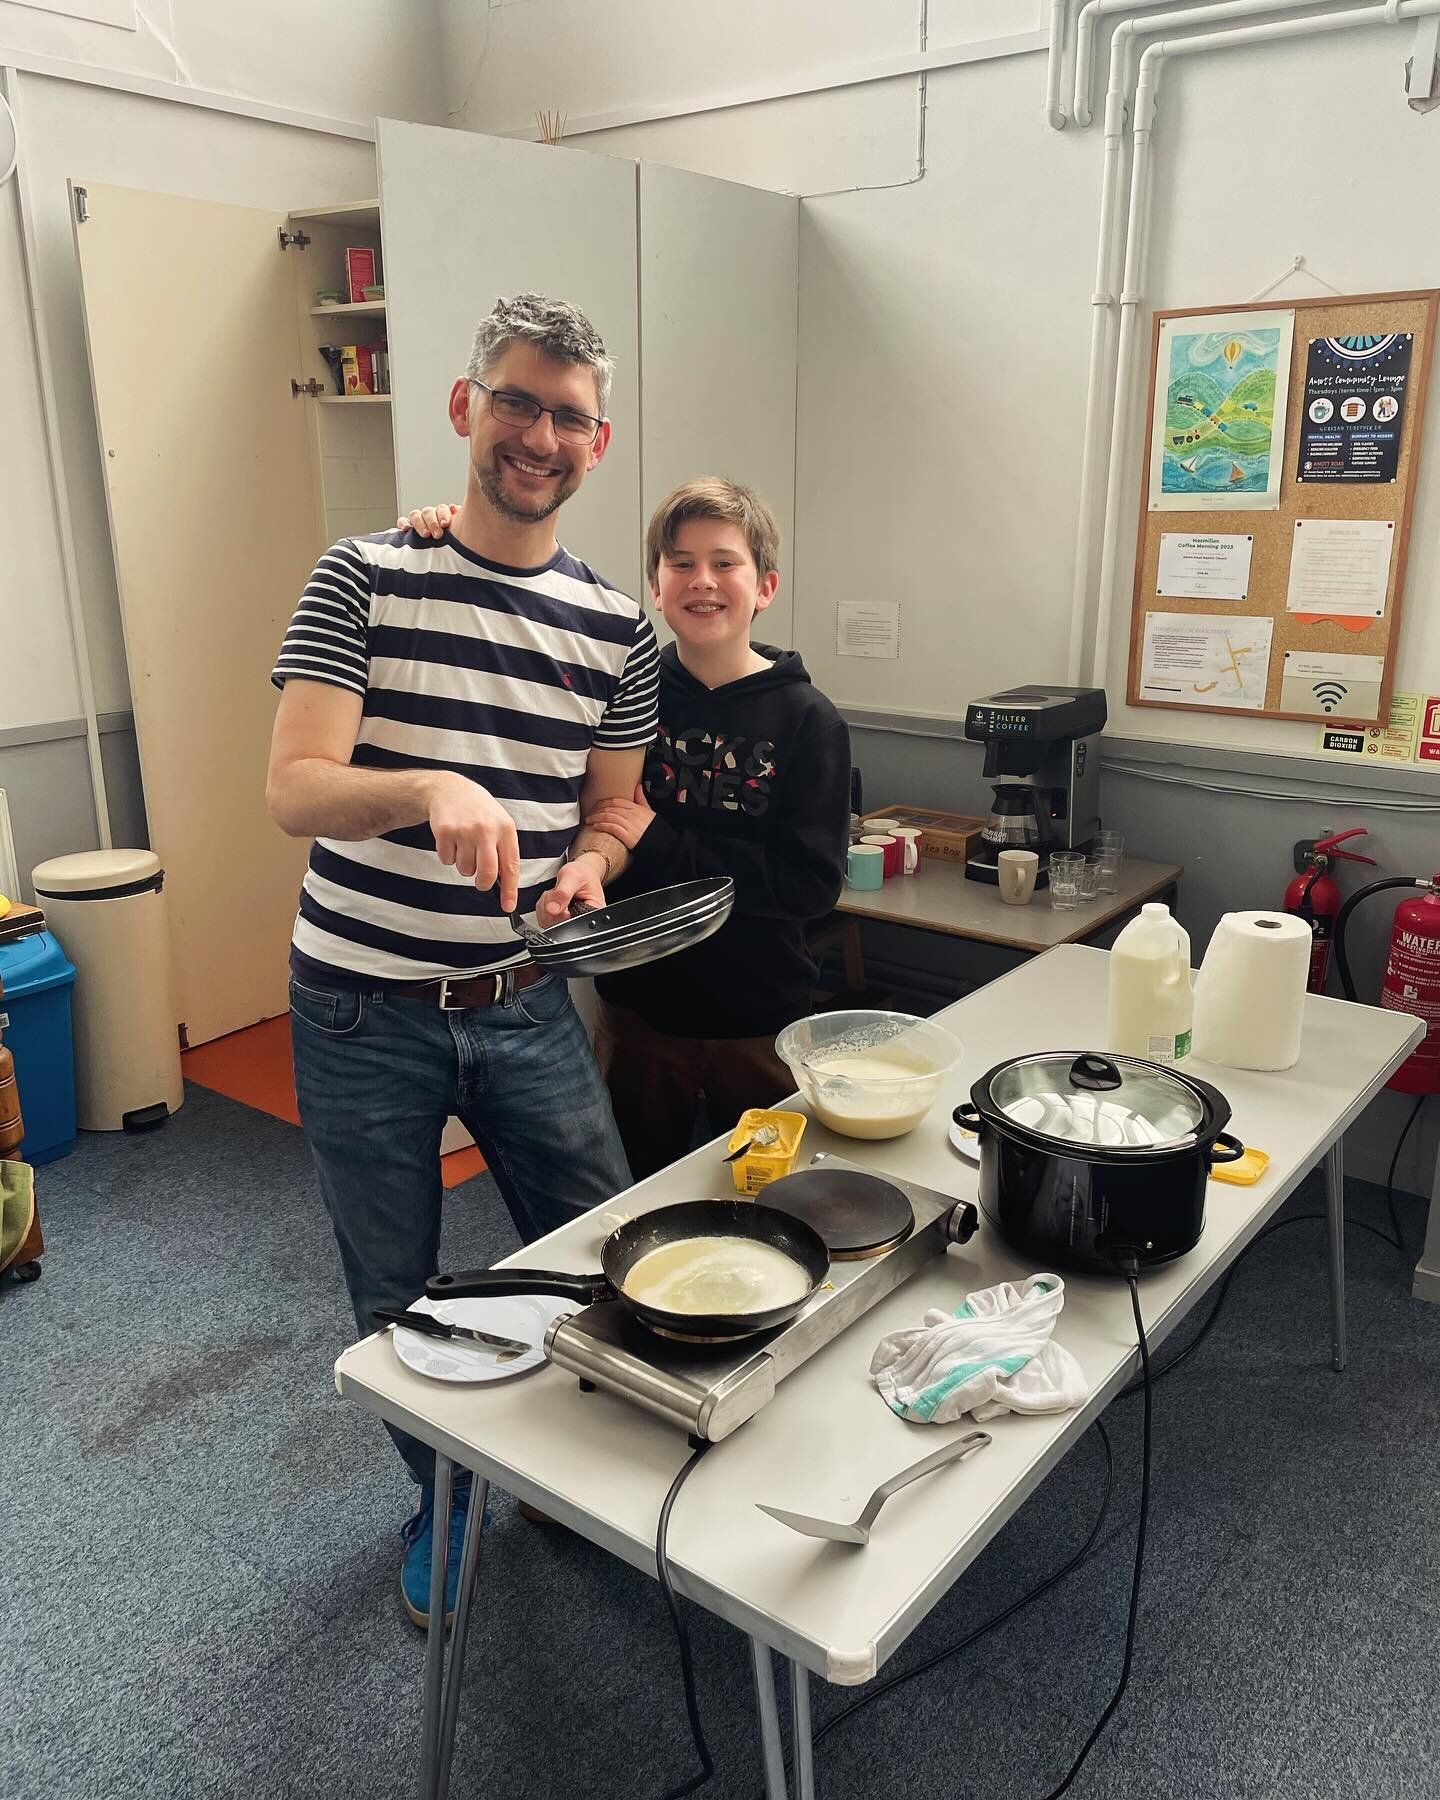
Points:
[(454, 993)]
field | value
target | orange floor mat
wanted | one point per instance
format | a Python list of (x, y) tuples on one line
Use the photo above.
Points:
[(253, 1066)]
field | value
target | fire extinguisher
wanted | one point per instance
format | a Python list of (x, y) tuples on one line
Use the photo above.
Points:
[(1314, 897), (1411, 983)]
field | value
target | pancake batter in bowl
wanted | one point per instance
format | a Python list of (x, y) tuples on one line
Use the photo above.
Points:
[(866, 1094), (716, 1275)]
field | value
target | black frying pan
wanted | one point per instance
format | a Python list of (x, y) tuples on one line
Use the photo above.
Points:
[(652, 1231)]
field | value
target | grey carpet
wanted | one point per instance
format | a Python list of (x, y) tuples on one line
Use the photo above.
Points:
[(200, 1594)]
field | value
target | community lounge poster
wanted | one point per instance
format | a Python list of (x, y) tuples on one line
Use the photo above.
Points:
[(1356, 391)]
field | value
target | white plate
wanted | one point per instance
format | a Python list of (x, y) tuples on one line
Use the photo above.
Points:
[(965, 1142), (525, 1317)]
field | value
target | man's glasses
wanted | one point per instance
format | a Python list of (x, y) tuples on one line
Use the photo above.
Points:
[(573, 426)]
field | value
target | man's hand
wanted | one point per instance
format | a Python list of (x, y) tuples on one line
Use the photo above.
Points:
[(581, 878), (428, 521), (627, 820), (475, 835)]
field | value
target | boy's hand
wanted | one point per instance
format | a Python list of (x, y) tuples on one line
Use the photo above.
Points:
[(627, 820), (579, 879), (428, 521)]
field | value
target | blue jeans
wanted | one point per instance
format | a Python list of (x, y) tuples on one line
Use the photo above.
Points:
[(377, 1075)]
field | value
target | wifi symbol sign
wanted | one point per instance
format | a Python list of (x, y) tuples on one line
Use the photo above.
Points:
[(1330, 694)]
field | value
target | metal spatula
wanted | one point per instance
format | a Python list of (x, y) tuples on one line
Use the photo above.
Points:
[(859, 1532)]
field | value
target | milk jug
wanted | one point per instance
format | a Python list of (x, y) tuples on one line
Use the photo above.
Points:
[(1150, 998)]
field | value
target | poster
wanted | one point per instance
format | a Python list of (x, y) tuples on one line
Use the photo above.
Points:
[(1205, 659), (1203, 566), (1221, 385), (1397, 741), (1321, 681), (868, 628), (1340, 568), (1356, 393)]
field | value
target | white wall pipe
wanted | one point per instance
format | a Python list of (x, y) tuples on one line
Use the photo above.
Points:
[(55, 459), (1055, 63), (1088, 23), (1275, 31), (1102, 308), (1095, 456)]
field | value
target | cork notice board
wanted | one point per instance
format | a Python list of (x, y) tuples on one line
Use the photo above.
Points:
[(1235, 609)]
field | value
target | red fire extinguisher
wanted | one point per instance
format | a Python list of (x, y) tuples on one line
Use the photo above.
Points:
[(1411, 983), (1314, 897)]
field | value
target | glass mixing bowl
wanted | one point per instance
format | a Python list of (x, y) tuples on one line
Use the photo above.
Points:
[(868, 1074)]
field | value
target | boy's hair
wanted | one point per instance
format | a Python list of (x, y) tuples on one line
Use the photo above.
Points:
[(713, 497), (554, 327)]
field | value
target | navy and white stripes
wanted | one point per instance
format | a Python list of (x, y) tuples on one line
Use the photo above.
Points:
[(508, 676)]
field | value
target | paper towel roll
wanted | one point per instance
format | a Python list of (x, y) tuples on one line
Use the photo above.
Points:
[(1250, 992)]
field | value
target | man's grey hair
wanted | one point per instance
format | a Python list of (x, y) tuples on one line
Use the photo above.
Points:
[(554, 327)]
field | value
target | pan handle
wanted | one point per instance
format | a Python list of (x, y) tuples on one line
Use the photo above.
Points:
[(471, 1283), (1232, 1147)]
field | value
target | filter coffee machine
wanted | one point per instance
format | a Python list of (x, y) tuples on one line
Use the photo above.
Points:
[(1042, 751)]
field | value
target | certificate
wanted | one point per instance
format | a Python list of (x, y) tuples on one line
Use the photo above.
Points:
[(1203, 567), (1340, 568)]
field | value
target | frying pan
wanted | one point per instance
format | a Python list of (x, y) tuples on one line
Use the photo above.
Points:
[(607, 939), (653, 1231)]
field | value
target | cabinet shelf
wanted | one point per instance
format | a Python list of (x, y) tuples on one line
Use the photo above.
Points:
[(352, 309), (354, 399), (364, 214)]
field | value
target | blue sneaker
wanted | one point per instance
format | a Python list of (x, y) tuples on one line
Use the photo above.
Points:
[(419, 1535)]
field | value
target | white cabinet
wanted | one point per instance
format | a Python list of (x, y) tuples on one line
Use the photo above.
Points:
[(231, 461)]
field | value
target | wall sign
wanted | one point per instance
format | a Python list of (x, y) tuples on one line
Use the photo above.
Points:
[(1356, 389)]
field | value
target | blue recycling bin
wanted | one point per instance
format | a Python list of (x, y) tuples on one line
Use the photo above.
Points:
[(35, 1022)]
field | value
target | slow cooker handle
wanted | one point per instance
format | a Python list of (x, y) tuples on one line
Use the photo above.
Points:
[(1224, 1140), (967, 1117), (1095, 1074)]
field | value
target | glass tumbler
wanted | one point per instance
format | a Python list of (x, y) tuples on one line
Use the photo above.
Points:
[(1065, 867), (1110, 860)]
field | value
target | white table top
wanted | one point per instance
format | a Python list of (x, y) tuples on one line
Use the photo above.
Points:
[(826, 1440), (942, 898)]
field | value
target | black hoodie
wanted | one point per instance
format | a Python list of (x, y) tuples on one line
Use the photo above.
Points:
[(750, 780)]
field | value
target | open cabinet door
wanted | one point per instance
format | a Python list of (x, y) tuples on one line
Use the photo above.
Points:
[(193, 332)]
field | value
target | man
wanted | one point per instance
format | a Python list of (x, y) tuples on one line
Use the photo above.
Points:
[(449, 712)]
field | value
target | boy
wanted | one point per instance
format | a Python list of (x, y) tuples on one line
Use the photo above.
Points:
[(749, 777)]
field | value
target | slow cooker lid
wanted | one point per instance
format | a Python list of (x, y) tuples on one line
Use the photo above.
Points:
[(1109, 1102)]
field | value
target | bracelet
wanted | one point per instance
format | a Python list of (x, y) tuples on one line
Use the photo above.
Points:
[(609, 866)]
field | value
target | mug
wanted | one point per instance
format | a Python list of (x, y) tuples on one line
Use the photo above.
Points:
[(910, 837), (865, 866), (1017, 871), (881, 827), (894, 854)]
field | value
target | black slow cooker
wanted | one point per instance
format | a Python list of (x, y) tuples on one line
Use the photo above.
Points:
[(1089, 1160)]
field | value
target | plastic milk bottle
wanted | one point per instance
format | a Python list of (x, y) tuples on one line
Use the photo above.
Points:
[(1150, 998)]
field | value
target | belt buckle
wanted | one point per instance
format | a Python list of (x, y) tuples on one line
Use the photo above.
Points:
[(445, 1005)]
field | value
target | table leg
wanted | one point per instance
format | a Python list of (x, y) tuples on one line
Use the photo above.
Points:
[(435, 1644), (800, 1731), (770, 1744), (1335, 1207), (469, 1562)]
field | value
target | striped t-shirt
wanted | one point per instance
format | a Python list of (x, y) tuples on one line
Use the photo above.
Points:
[(509, 676)]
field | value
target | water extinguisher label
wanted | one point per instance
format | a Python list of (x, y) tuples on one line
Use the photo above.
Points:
[(1412, 984)]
